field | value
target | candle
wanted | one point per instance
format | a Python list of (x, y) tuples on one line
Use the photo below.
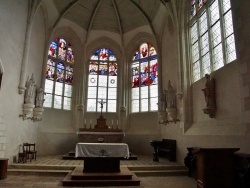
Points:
[(91, 121), (117, 122), (85, 121), (112, 122)]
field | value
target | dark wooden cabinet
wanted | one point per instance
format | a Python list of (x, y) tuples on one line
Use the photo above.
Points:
[(215, 167), (3, 168)]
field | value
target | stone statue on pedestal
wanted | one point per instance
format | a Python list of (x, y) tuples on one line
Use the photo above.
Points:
[(29, 92)]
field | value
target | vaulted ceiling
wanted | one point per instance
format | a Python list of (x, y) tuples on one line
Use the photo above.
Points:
[(118, 16)]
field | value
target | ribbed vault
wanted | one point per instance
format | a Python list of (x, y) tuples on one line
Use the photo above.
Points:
[(118, 16)]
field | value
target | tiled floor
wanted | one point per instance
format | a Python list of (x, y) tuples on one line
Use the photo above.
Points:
[(43, 181)]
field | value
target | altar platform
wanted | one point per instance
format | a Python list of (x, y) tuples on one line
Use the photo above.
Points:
[(50, 170)]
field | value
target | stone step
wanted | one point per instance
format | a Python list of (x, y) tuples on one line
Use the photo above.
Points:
[(157, 167), (124, 174), (37, 172), (156, 170), (161, 173), (41, 167), (134, 181)]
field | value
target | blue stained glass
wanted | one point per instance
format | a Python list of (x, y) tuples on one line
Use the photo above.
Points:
[(50, 70), (144, 66), (104, 53), (103, 69), (53, 49), (69, 75), (60, 72), (153, 71), (136, 56), (144, 79), (111, 56), (110, 52), (95, 55), (70, 55)]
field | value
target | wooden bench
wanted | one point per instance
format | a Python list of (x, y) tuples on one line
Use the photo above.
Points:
[(167, 148)]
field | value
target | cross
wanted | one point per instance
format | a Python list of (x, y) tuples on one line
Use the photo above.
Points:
[(101, 102)]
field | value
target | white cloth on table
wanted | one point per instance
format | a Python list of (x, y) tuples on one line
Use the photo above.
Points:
[(102, 150)]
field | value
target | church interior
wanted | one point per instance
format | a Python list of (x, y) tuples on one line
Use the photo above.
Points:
[(144, 70)]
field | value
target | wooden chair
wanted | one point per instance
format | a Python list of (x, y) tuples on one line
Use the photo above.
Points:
[(22, 157), (30, 150)]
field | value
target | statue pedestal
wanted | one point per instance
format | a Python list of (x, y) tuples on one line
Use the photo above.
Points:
[(210, 111)]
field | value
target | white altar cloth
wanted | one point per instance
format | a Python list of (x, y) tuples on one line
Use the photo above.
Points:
[(102, 150)]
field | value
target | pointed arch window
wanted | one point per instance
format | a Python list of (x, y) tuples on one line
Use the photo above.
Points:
[(59, 75), (144, 69), (102, 81), (212, 40)]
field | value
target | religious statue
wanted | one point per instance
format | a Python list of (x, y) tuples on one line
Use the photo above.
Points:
[(209, 93), (39, 98), (29, 91), (170, 96)]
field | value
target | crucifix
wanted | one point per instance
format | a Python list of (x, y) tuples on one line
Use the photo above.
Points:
[(101, 102)]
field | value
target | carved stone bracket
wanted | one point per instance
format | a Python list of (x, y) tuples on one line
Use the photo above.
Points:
[(210, 112)]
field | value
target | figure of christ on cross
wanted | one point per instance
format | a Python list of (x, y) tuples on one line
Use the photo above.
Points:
[(101, 102)]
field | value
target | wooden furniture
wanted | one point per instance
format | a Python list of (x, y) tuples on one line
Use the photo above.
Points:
[(155, 145), (102, 157), (242, 170), (3, 168), (22, 157), (215, 167), (167, 148), (29, 150), (190, 162)]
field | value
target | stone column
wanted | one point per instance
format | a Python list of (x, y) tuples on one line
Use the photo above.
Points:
[(33, 6)]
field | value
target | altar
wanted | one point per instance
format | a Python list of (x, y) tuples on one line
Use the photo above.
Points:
[(102, 157), (98, 137)]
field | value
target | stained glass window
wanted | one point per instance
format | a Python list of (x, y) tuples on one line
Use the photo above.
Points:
[(196, 5), (102, 81), (59, 75), (144, 68), (211, 36)]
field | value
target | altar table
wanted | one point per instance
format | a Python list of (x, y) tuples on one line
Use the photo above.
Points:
[(102, 157), (102, 150), (94, 137)]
